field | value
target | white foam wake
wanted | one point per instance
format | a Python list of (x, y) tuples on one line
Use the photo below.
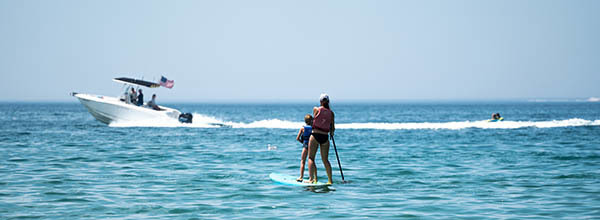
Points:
[(198, 121), (472, 124), (203, 121)]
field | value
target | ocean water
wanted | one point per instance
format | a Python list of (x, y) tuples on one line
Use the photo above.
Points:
[(403, 160)]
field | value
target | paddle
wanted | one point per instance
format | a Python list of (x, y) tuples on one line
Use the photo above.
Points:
[(338, 158)]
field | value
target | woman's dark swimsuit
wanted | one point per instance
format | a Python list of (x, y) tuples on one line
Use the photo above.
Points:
[(321, 138)]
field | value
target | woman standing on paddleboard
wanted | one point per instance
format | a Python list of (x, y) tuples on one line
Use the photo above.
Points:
[(323, 124)]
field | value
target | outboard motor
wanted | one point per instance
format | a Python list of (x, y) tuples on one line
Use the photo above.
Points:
[(185, 118)]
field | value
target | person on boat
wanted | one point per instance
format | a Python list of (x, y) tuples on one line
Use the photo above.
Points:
[(140, 98), (303, 136), (133, 96), (126, 98), (323, 124), (152, 103)]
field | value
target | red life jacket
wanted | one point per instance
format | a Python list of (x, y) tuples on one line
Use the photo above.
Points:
[(323, 119)]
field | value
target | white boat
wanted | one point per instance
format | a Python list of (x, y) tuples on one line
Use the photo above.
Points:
[(109, 109)]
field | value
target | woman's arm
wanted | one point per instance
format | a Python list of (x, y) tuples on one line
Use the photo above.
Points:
[(332, 129)]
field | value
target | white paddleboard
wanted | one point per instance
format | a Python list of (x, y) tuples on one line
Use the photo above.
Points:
[(291, 180)]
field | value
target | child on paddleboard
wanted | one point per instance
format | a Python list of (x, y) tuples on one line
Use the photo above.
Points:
[(303, 136)]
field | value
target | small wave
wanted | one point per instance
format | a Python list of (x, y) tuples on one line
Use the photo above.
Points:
[(70, 200), (17, 160), (180, 211), (577, 176), (203, 121)]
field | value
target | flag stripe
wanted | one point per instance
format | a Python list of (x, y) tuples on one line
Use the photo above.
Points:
[(166, 83)]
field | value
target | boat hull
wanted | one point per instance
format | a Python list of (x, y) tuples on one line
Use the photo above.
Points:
[(110, 109)]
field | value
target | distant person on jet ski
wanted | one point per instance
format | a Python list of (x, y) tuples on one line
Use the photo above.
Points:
[(496, 116), (152, 103), (140, 98)]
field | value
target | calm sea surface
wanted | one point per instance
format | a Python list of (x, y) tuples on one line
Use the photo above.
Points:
[(423, 160)]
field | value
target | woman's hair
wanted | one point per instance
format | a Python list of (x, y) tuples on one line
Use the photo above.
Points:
[(308, 119), (325, 104)]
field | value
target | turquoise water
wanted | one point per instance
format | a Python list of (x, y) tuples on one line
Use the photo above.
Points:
[(419, 160)]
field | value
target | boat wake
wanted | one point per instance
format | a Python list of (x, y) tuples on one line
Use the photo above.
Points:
[(472, 124), (204, 121)]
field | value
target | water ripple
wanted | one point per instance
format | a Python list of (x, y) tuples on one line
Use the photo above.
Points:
[(81, 169)]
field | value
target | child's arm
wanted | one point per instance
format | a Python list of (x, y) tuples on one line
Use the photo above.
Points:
[(300, 132)]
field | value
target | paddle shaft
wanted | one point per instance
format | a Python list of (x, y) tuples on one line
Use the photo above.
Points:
[(338, 158)]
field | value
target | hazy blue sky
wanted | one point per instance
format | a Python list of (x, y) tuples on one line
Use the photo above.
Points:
[(294, 50)]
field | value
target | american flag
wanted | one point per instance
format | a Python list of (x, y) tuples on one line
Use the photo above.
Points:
[(166, 83)]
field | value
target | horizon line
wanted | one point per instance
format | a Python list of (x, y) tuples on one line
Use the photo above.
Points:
[(224, 101)]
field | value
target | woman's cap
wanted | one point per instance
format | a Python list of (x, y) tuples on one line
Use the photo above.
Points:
[(323, 97)]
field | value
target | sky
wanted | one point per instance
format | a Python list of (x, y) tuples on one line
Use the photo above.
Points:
[(295, 50)]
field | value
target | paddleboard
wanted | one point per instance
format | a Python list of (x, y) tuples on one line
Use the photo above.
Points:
[(291, 180)]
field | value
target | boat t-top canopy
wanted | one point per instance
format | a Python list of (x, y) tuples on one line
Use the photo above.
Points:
[(136, 82)]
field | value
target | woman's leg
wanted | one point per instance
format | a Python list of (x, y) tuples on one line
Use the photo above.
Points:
[(313, 145), (325, 158), (303, 162)]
